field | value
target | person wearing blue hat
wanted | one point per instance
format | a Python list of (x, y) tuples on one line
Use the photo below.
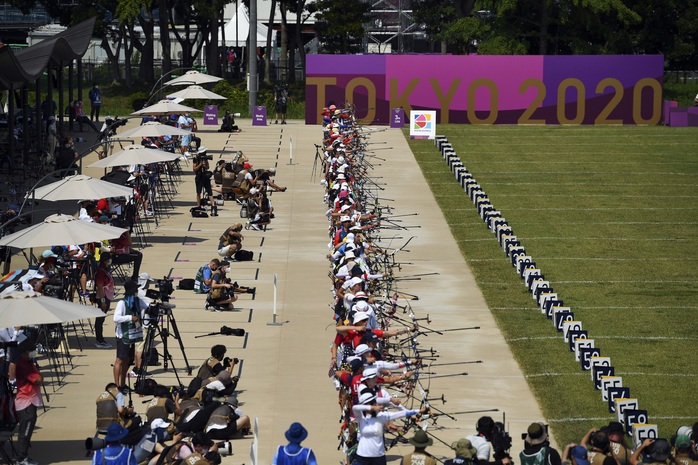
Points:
[(114, 453), (575, 455), (293, 453)]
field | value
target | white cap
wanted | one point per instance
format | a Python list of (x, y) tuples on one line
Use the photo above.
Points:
[(362, 349), (369, 373), (360, 316), (367, 397)]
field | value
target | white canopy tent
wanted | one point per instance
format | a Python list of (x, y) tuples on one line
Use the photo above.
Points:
[(241, 21)]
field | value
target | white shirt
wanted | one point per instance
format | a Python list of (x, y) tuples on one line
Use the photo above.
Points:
[(120, 315), (482, 446), (372, 443)]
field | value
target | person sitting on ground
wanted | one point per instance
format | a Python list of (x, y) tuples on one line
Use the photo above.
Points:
[(221, 296), (162, 405), (81, 118), (256, 217), (264, 179), (227, 421), (230, 241), (111, 408), (229, 123)]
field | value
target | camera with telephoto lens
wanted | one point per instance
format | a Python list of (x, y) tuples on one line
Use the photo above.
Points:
[(501, 441), (225, 448), (95, 443), (177, 391), (227, 361)]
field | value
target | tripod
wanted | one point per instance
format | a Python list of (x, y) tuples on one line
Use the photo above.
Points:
[(161, 329), (318, 156)]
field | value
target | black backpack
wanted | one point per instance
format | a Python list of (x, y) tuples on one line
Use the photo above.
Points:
[(198, 212)]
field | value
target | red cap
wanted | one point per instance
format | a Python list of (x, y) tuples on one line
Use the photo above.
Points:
[(247, 166)]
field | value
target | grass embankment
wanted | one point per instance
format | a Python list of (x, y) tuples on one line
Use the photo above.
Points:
[(609, 216)]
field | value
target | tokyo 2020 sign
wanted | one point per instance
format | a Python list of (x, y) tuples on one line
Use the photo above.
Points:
[(479, 89)]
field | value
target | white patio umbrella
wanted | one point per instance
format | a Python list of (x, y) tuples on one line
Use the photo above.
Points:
[(79, 186), (193, 77), (153, 129), (165, 107), (196, 92), (135, 155), (21, 308), (60, 230)]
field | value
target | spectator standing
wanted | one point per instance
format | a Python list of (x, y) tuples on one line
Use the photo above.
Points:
[(129, 330), (95, 102), (104, 288), (293, 453), (28, 399), (281, 100)]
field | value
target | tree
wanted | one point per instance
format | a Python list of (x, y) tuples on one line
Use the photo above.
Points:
[(340, 24)]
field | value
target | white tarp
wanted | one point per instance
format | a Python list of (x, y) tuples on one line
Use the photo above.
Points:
[(241, 22)]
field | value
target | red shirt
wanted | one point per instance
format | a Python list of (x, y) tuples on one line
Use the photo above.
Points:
[(28, 392)]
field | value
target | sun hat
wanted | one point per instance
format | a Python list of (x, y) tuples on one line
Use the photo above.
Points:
[(115, 433), (421, 439), (361, 349), (361, 295), (536, 434), (360, 316), (296, 433), (253, 191), (580, 455), (345, 218), (351, 236), (349, 254), (143, 279), (464, 448), (361, 306), (367, 397), (369, 373)]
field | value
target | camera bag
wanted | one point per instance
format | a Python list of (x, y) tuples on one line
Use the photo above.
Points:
[(186, 284), (243, 211), (198, 212), (244, 255)]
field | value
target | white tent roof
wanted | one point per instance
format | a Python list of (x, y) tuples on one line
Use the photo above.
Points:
[(243, 29)]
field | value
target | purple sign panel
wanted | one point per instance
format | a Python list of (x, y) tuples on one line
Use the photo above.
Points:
[(481, 89), (211, 115), (259, 118), (397, 118)]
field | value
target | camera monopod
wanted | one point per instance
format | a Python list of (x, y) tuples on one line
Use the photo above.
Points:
[(225, 331)]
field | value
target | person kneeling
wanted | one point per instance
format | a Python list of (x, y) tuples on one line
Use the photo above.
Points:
[(221, 296)]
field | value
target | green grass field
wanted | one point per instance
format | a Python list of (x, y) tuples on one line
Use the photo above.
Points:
[(609, 215)]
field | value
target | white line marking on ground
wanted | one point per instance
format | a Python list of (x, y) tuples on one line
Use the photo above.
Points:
[(650, 338)]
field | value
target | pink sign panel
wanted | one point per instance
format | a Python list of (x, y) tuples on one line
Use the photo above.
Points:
[(481, 89)]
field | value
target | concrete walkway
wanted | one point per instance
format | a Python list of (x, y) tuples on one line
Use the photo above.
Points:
[(283, 376)]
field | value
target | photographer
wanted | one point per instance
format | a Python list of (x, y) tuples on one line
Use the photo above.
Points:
[(221, 296), (481, 441), (465, 453), (202, 178), (129, 330), (230, 241), (115, 453), (256, 215), (111, 408), (211, 368), (537, 450), (227, 420), (162, 405)]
